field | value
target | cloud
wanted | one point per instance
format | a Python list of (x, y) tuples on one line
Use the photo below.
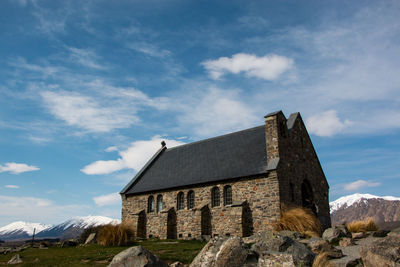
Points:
[(37, 210), (106, 200), (16, 168), (269, 67), (326, 123), (111, 149), (11, 186), (85, 57), (149, 49), (354, 186), (138, 153), (215, 111)]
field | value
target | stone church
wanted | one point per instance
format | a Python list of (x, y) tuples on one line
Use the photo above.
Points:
[(234, 184)]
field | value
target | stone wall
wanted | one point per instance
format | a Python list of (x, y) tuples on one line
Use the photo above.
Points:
[(255, 206), (299, 162)]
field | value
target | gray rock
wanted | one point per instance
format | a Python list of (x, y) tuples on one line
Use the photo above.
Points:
[(177, 264), (271, 242), (90, 239), (382, 252), (333, 235), (395, 231), (136, 257), (380, 233), (320, 245), (346, 241), (16, 259), (291, 234), (222, 252), (276, 259), (358, 235)]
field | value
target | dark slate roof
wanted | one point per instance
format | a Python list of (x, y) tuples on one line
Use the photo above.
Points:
[(224, 157)]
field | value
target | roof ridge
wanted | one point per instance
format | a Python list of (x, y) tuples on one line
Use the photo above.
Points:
[(215, 137)]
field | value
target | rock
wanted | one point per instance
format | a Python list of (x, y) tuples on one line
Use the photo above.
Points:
[(291, 234), (222, 252), (69, 243), (90, 239), (276, 259), (346, 241), (380, 233), (249, 240), (177, 264), (16, 259), (136, 257), (319, 245), (358, 235), (395, 231), (333, 235), (271, 241), (382, 252)]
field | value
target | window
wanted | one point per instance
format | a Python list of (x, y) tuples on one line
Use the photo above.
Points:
[(215, 197), (150, 204), (227, 195), (159, 203), (190, 199), (180, 201)]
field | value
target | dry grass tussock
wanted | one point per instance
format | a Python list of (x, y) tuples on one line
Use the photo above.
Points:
[(115, 235), (362, 226), (322, 260), (300, 220)]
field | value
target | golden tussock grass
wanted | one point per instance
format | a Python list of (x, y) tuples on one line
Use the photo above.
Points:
[(115, 235), (322, 260), (362, 226), (300, 220)]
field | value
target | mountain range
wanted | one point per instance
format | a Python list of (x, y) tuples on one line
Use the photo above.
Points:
[(68, 229), (385, 210)]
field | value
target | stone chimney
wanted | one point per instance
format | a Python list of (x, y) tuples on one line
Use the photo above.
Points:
[(275, 133)]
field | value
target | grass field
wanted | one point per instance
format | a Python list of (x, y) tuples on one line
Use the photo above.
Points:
[(96, 255)]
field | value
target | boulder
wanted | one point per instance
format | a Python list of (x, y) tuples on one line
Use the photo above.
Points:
[(136, 257), (91, 239), (177, 264), (271, 242), (382, 252), (276, 259), (292, 234), (69, 243), (16, 259), (334, 234), (380, 233), (222, 252), (346, 241), (358, 235), (395, 231), (319, 245)]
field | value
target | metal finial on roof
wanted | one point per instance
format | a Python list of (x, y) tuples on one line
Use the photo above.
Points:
[(163, 144)]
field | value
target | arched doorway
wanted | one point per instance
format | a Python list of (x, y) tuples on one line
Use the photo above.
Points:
[(205, 221), (141, 225), (171, 224), (306, 192)]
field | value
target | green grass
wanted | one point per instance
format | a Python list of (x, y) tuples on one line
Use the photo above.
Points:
[(96, 255)]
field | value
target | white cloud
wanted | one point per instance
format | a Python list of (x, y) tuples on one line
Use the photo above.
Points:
[(87, 113), (85, 57), (106, 200), (354, 186), (149, 49), (215, 111), (16, 168), (138, 153), (37, 210), (11, 186), (268, 67), (111, 149), (326, 123)]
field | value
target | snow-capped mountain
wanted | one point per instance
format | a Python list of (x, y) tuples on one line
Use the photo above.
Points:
[(68, 229), (385, 210), (347, 201), (20, 230)]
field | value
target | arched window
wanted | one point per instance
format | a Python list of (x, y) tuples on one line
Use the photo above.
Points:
[(159, 203), (190, 199), (215, 197), (180, 201), (150, 204), (227, 195)]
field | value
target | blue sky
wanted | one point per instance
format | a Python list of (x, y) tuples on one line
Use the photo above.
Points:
[(88, 89)]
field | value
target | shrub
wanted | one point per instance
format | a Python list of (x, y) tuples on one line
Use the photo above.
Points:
[(115, 235), (322, 260), (362, 226), (300, 220)]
